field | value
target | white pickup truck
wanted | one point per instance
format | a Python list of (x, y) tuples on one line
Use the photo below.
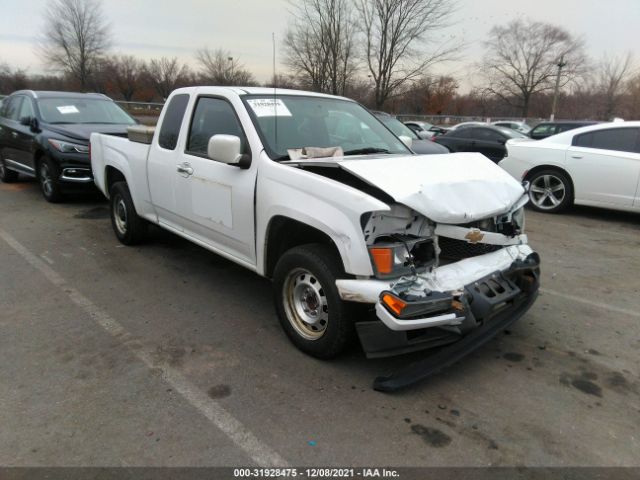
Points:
[(358, 234)]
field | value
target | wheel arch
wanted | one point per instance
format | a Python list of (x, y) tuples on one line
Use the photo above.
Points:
[(111, 176), (284, 233), (37, 157)]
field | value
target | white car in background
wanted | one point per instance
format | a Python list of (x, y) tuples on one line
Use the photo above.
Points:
[(598, 165)]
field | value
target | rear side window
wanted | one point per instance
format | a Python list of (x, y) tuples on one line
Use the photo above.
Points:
[(618, 139), (212, 116), (461, 133), (566, 128), (11, 107), (486, 134), (543, 130), (172, 120)]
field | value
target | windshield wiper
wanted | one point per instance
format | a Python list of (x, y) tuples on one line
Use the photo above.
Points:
[(366, 151), (282, 157)]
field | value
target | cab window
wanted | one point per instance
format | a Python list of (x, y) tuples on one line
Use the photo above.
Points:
[(212, 116), (172, 120), (26, 109)]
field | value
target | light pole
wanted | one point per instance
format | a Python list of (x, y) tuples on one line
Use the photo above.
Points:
[(561, 64), (230, 75)]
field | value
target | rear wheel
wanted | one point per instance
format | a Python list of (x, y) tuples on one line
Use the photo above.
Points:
[(48, 175), (127, 225), (309, 307), (550, 191), (6, 175)]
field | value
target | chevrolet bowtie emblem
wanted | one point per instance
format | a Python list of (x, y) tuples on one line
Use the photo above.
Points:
[(474, 236)]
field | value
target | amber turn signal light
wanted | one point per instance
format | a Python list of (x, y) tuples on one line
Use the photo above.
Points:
[(383, 259), (394, 303)]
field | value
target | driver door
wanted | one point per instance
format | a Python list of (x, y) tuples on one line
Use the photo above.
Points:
[(215, 200)]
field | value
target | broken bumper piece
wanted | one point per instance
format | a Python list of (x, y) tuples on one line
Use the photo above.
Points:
[(463, 316), (486, 307)]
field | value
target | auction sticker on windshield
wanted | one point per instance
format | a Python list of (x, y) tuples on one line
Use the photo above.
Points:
[(269, 107), (65, 109)]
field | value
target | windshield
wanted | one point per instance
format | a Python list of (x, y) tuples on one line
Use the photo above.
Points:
[(318, 122), (398, 128), (82, 110)]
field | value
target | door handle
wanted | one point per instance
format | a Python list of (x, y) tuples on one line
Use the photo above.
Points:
[(14, 134), (185, 169), (576, 156)]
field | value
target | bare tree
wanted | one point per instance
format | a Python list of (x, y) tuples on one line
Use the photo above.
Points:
[(319, 45), (611, 80), (12, 79), (396, 36), (125, 72), (166, 74), (633, 104), (220, 68), (75, 37), (522, 59)]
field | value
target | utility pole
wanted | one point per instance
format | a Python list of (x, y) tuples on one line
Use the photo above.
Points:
[(561, 64)]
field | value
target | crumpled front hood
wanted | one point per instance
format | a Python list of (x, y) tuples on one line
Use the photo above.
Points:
[(454, 188)]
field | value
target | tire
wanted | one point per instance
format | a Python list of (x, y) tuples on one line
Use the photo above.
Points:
[(550, 191), (48, 174), (129, 228), (6, 175), (305, 282)]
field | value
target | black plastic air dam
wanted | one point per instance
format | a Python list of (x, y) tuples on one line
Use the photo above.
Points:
[(421, 370)]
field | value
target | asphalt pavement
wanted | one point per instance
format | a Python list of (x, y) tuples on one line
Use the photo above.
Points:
[(165, 354)]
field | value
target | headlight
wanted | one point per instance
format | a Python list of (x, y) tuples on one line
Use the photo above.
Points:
[(396, 256), (68, 147)]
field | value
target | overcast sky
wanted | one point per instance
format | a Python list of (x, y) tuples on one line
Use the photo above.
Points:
[(153, 28)]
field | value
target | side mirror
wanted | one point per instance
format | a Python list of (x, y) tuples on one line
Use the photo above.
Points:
[(227, 149), (406, 140), (31, 122)]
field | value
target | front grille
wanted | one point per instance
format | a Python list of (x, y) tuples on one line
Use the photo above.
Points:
[(452, 249)]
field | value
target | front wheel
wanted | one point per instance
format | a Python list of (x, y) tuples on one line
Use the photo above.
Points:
[(308, 304), (48, 175), (550, 191), (127, 225)]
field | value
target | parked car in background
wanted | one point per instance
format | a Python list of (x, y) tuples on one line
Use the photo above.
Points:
[(418, 145), (547, 129), (521, 127), (597, 165), (315, 193), (425, 130), (483, 138), (46, 135)]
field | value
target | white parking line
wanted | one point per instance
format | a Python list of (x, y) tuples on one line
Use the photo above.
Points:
[(258, 451), (601, 305)]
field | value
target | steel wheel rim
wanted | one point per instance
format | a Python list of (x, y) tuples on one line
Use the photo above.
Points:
[(120, 215), (547, 191), (45, 180), (305, 304)]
